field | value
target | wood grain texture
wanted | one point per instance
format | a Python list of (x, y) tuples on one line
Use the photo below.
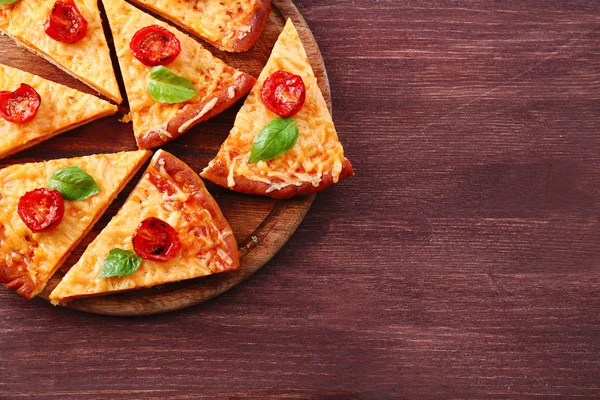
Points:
[(463, 260)]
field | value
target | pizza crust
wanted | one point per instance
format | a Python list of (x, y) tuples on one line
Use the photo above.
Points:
[(262, 11), (186, 177), (218, 174), (243, 39), (198, 112), (15, 277)]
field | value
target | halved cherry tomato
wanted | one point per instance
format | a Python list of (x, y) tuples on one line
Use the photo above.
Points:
[(20, 106), (284, 93), (155, 45), (65, 23), (156, 240), (41, 209)]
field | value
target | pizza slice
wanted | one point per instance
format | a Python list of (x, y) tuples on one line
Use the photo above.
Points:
[(170, 229), (67, 33), (172, 82), (228, 25), (47, 208), (33, 109), (283, 142)]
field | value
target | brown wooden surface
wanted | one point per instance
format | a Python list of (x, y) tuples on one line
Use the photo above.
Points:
[(463, 260)]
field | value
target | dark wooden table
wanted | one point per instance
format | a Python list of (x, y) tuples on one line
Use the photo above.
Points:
[(463, 260)]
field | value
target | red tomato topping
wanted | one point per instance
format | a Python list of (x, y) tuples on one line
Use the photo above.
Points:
[(41, 209), (156, 240), (155, 45), (65, 23), (284, 93), (20, 106)]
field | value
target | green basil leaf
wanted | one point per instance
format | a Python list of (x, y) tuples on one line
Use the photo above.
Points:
[(2, 2), (273, 140), (73, 183), (166, 87), (120, 262)]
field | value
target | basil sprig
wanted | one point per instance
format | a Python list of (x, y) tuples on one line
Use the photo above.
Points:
[(273, 140), (73, 183), (166, 87), (2, 2), (119, 263)]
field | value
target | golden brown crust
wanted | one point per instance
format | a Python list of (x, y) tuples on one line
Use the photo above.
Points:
[(218, 174), (260, 16), (262, 10), (15, 277), (189, 181), (241, 85)]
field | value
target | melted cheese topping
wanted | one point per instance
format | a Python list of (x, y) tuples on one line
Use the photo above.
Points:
[(88, 59), (195, 63), (318, 150), (220, 22), (40, 254), (61, 109), (204, 250)]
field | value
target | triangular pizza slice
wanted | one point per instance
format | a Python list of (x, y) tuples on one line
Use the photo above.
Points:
[(292, 150), (229, 25), (33, 109), (170, 229), (188, 84), (67, 33), (47, 208)]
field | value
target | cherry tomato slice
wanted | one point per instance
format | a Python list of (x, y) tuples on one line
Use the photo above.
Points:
[(41, 209), (155, 45), (20, 106), (284, 93), (156, 240), (65, 23)]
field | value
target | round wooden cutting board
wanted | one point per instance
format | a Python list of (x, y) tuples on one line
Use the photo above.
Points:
[(261, 225)]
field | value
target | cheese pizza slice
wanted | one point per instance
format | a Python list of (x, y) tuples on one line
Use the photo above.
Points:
[(67, 33), (283, 142), (169, 229), (227, 24), (47, 208), (172, 82), (33, 109)]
